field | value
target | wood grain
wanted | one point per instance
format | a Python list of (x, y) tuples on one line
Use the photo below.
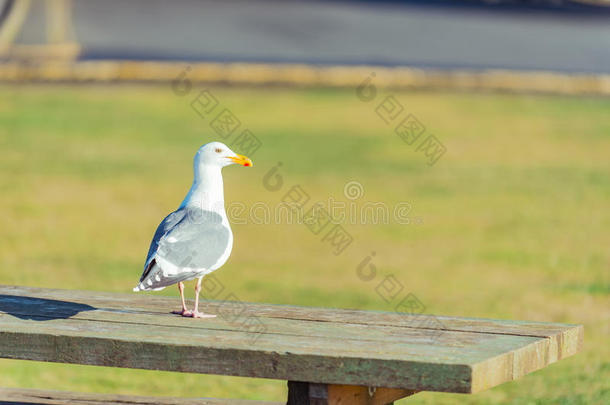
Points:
[(330, 346), (13, 396)]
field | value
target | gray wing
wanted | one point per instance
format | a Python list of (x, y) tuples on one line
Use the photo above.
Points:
[(187, 242), (165, 227), (198, 241)]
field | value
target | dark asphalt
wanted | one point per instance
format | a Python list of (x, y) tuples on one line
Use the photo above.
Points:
[(439, 35)]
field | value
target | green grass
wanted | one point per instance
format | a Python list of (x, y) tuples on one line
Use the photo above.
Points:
[(514, 217)]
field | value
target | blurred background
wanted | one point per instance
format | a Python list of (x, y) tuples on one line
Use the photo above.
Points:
[(486, 122)]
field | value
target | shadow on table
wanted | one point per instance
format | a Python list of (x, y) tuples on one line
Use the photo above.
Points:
[(40, 309)]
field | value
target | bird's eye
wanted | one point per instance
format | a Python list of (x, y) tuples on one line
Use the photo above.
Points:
[(217, 150)]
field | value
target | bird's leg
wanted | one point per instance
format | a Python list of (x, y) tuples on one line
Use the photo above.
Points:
[(184, 312), (196, 313)]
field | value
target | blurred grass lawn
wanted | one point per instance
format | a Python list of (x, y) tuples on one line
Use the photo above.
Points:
[(515, 215)]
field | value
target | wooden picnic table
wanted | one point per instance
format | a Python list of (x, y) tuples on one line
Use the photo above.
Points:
[(326, 355)]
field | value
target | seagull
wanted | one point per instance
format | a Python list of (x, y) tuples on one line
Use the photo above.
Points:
[(196, 239)]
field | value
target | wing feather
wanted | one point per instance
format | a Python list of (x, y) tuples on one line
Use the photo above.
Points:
[(188, 243)]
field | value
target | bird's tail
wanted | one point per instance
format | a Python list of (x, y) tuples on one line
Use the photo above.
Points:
[(155, 279), (146, 281), (142, 287)]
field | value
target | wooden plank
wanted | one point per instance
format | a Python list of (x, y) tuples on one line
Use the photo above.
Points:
[(307, 344), (561, 335), (414, 342), (159, 304), (156, 347), (16, 396), (516, 363)]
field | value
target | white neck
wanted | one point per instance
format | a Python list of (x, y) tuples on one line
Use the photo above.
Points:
[(207, 191)]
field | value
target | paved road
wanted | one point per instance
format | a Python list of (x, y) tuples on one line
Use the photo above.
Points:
[(440, 35)]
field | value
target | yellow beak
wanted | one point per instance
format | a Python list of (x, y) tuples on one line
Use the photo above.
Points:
[(241, 160)]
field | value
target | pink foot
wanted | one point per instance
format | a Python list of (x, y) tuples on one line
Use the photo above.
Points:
[(197, 314), (183, 312)]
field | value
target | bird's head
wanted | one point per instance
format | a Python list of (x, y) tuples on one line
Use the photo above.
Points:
[(219, 154)]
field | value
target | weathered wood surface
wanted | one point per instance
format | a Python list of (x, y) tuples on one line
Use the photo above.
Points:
[(331, 346), (13, 396)]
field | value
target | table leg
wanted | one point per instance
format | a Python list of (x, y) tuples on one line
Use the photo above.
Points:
[(303, 393)]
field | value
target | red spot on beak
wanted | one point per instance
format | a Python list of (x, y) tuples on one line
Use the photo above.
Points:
[(246, 164)]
